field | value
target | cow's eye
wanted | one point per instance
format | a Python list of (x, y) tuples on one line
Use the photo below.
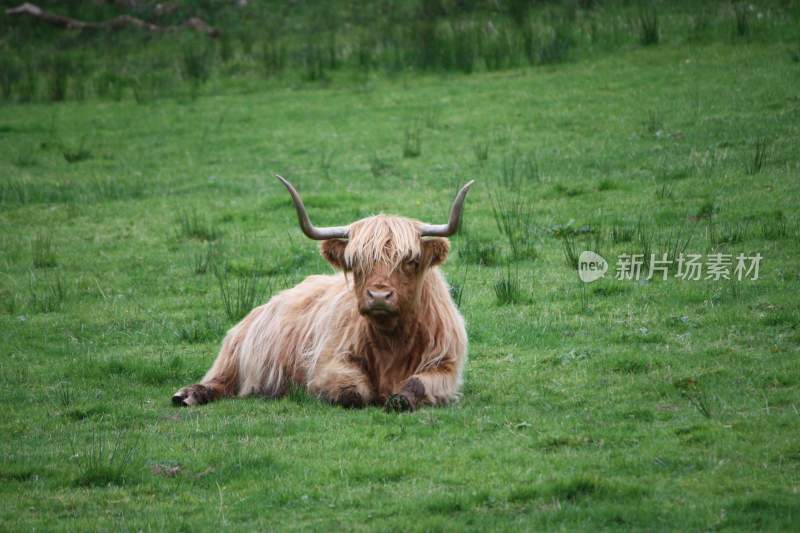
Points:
[(412, 264)]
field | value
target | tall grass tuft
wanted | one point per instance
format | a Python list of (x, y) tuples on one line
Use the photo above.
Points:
[(192, 224), (648, 26), (512, 210), (508, 285), (557, 45), (775, 228), (110, 85), (196, 64), (674, 245), (42, 252), (478, 252), (64, 392), (11, 73), (571, 252), (412, 145), (241, 293), (654, 123), (26, 158), (512, 213), (59, 69), (326, 155), (206, 259), (481, 151), (201, 329), (378, 166), (105, 461), (46, 295), (665, 192), (759, 159), (620, 233), (273, 57), (458, 287), (741, 12), (732, 232)]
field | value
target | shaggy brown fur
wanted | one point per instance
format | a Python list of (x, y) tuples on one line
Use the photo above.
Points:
[(403, 348)]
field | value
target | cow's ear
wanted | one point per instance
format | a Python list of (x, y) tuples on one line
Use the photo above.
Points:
[(333, 251), (434, 251)]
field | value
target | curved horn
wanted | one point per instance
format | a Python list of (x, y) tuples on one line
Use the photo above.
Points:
[(311, 231), (445, 230)]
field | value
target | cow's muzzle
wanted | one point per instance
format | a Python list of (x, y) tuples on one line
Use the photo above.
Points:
[(379, 302)]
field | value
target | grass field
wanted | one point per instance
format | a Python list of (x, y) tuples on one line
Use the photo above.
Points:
[(669, 404)]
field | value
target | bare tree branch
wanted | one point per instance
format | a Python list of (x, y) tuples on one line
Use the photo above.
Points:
[(61, 21)]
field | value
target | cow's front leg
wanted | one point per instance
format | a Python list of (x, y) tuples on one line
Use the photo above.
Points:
[(342, 382), (432, 387)]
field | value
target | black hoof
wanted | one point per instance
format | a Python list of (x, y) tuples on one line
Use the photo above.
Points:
[(192, 395), (179, 400), (350, 399), (398, 403)]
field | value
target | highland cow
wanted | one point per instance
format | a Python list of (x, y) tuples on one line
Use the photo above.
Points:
[(384, 330)]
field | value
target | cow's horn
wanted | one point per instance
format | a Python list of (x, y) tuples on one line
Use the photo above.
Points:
[(445, 230), (311, 231)]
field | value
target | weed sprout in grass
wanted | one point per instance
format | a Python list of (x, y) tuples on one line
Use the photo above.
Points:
[(507, 286), (690, 389)]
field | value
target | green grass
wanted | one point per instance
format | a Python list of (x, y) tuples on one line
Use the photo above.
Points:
[(662, 405)]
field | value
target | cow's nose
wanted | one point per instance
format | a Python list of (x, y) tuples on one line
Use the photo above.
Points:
[(380, 295)]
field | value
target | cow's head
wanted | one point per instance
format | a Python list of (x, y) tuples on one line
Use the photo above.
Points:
[(386, 256)]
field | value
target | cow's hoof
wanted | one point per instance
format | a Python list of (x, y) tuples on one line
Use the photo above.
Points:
[(192, 395), (398, 403), (350, 399)]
